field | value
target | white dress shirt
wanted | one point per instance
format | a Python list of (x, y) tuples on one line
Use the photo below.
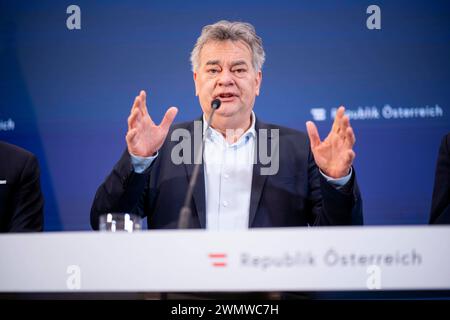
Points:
[(228, 179)]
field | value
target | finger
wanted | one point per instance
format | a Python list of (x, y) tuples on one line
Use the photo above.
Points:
[(168, 118), (143, 96), (143, 106), (135, 104), (338, 118), (344, 124), (350, 138), (341, 119), (138, 105), (350, 157), (131, 134), (133, 119), (347, 159), (313, 134)]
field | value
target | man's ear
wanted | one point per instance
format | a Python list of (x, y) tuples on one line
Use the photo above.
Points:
[(258, 81), (195, 83)]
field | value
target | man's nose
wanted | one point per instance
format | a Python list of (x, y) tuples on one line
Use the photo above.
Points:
[(225, 78)]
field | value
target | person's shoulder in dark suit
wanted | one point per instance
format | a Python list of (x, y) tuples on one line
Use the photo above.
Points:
[(21, 200), (440, 207)]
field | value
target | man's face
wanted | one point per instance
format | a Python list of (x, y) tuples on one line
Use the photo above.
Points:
[(226, 72)]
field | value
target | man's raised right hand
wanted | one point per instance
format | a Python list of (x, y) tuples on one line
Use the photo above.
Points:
[(144, 137)]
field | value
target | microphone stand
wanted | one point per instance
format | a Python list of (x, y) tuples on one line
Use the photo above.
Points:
[(185, 212)]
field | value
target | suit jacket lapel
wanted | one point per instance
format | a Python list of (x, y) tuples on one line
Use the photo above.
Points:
[(258, 180), (199, 189)]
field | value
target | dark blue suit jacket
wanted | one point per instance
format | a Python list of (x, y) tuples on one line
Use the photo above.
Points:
[(440, 207), (21, 200), (297, 195)]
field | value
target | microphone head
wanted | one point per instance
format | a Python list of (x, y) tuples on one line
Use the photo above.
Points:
[(215, 104)]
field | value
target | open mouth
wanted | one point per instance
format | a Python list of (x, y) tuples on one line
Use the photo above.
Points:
[(226, 97)]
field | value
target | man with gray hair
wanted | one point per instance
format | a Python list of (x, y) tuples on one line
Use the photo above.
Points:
[(313, 182)]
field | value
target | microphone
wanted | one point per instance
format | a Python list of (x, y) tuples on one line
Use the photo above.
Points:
[(185, 212), (215, 104)]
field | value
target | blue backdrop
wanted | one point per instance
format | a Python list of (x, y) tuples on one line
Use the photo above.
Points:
[(66, 94)]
